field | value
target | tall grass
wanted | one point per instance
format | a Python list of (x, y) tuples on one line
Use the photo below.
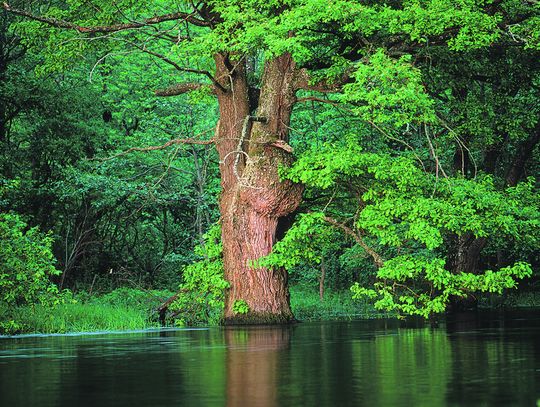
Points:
[(335, 305), (80, 317), (120, 310), (130, 309)]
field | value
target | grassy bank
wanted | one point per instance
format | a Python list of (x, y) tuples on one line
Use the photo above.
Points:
[(80, 317), (131, 309), (511, 300), (335, 305), (122, 309), (339, 305)]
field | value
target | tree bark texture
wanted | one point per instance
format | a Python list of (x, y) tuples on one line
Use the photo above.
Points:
[(253, 199)]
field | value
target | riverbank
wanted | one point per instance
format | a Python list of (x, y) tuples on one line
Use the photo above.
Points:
[(132, 309), (121, 309), (307, 305)]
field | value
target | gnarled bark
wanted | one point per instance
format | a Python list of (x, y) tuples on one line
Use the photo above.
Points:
[(253, 198)]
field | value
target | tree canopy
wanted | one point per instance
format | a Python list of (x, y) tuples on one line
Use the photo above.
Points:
[(411, 128)]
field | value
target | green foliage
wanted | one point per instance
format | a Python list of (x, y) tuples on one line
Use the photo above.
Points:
[(200, 300), (354, 264), (129, 298), (240, 307), (336, 305), (327, 166), (26, 264), (310, 245), (250, 23), (301, 245), (414, 217), (78, 317), (456, 206), (121, 309), (388, 91), (461, 75), (135, 218), (414, 286)]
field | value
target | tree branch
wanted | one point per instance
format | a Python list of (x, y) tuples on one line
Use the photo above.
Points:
[(178, 89), (182, 69), (190, 18), (281, 144), (377, 259), (302, 81), (161, 147)]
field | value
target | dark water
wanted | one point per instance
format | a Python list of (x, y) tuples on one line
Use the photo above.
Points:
[(469, 361)]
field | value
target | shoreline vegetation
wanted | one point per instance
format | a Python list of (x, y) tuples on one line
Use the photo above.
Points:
[(387, 152), (127, 309)]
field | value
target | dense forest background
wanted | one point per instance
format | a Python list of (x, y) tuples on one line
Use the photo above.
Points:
[(419, 173)]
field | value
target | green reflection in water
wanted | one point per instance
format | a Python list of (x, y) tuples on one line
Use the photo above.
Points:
[(375, 363), (406, 367)]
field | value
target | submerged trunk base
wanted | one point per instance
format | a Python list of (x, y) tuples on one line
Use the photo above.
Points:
[(259, 318)]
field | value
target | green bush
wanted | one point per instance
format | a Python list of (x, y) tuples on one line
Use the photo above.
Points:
[(26, 264), (201, 296)]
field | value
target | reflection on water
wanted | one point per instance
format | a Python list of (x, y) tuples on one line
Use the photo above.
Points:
[(493, 360), (253, 365)]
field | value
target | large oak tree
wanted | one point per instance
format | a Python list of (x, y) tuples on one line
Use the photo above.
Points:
[(255, 56)]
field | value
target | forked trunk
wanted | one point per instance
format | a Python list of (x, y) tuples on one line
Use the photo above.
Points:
[(253, 198)]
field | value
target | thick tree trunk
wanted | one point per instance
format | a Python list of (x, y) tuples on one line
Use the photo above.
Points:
[(253, 198), (467, 253)]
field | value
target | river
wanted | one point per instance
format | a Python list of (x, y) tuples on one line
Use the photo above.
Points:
[(488, 359)]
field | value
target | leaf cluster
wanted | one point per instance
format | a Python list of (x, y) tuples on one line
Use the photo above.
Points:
[(411, 218), (201, 297)]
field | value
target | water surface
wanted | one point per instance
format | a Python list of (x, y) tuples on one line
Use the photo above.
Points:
[(471, 360)]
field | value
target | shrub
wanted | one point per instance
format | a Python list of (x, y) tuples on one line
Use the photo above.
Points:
[(26, 264), (201, 296)]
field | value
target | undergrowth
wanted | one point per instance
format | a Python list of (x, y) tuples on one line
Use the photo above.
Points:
[(131, 309), (119, 310), (335, 305), (524, 299)]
